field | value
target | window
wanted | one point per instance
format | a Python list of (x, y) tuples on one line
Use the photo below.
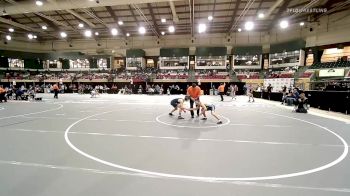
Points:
[(174, 61), (49, 64), (285, 57), (16, 63), (102, 63), (134, 62), (79, 63), (247, 60), (211, 61)]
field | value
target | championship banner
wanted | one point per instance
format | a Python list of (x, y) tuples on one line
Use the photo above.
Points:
[(278, 83)]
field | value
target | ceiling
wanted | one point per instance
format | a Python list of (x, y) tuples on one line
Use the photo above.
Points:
[(228, 16)]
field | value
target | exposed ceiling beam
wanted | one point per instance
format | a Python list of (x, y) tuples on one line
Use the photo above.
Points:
[(173, 11), (133, 15), (145, 19), (213, 10), (49, 23), (234, 15), (74, 13), (178, 12), (30, 7), (11, 1), (54, 20), (21, 26), (191, 17), (274, 6), (153, 18), (92, 14), (339, 4), (259, 7), (29, 18), (279, 13), (115, 17)]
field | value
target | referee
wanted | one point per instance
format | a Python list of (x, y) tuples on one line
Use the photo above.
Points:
[(194, 92), (221, 90)]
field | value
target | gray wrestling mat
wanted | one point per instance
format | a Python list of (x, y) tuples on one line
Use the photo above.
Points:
[(127, 145)]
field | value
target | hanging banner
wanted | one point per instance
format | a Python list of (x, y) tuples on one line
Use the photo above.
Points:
[(278, 83), (331, 72)]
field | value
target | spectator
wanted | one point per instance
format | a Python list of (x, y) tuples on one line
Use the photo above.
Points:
[(284, 93), (301, 103), (269, 91), (2, 94)]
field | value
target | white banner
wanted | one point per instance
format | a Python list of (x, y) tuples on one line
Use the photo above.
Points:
[(331, 72), (278, 83)]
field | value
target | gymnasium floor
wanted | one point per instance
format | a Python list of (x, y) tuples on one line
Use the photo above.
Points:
[(127, 145)]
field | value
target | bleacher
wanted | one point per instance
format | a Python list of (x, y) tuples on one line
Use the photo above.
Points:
[(307, 74), (281, 75), (212, 77), (248, 75), (172, 76), (340, 64), (203, 74)]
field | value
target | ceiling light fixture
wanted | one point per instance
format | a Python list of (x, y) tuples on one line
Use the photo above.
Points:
[(239, 29), (142, 30), (171, 29), (114, 31), (284, 24), (249, 26), (210, 18), (302, 24), (127, 34), (30, 36), (11, 30), (44, 27), (163, 20), (63, 34), (202, 28), (88, 33), (96, 33), (163, 33), (8, 37), (261, 15), (120, 22), (81, 25), (39, 3), (34, 36)]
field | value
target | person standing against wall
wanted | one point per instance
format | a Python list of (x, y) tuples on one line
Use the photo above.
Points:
[(269, 91), (194, 92), (221, 90)]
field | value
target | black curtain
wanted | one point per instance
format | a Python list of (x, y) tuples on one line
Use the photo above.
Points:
[(65, 63), (32, 64), (4, 62), (317, 55)]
